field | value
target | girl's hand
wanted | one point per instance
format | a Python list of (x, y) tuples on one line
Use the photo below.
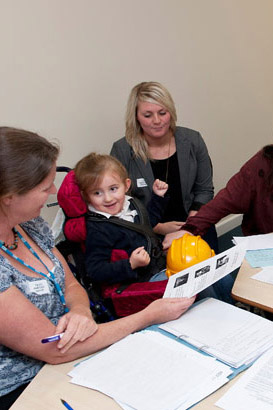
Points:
[(160, 187), (77, 325), (139, 258)]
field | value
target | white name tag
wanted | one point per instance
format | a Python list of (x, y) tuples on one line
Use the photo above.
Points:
[(40, 287), (141, 183)]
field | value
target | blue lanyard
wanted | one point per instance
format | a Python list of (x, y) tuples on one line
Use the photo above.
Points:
[(50, 275)]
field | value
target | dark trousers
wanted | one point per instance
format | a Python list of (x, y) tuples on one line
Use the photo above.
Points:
[(7, 400)]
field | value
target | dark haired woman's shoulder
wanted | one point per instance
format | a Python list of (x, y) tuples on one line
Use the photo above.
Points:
[(40, 231), (260, 156), (264, 154), (256, 162), (268, 151)]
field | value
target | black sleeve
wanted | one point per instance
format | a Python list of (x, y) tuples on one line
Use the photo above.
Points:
[(156, 208), (99, 245)]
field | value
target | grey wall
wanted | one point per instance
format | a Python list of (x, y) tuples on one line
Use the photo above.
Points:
[(67, 67)]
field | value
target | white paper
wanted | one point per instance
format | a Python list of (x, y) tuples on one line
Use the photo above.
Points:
[(265, 275), (233, 335), (254, 390), (255, 242), (151, 371), (198, 277)]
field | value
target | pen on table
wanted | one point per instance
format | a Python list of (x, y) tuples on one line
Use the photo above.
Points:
[(52, 338), (66, 404)]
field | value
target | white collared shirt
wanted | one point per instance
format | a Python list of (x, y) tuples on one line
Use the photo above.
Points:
[(126, 213)]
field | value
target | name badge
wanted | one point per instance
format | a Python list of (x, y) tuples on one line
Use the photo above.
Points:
[(141, 183), (40, 287)]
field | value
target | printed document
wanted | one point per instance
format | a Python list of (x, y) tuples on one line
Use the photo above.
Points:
[(151, 371), (198, 277), (232, 335), (254, 390)]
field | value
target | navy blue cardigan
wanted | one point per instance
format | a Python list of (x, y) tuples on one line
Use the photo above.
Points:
[(103, 237)]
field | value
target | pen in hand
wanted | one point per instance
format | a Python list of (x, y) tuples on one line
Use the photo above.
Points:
[(52, 338), (66, 404)]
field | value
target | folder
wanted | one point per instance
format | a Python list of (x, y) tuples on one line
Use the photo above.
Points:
[(179, 363), (232, 335)]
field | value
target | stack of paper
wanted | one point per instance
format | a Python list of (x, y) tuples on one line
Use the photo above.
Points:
[(230, 334), (259, 254), (254, 390), (254, 242), (151, 371)]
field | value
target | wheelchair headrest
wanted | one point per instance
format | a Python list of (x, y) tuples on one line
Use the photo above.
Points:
[(69, 197), (74, 207)]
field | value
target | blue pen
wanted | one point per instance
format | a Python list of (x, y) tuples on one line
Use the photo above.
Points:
[(52, 338), (66, 404)]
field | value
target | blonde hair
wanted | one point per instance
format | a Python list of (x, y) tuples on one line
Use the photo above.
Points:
[(152, 92), (90, 170)]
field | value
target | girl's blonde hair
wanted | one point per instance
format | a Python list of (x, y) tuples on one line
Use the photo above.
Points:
[(90, 170), (152, 92)]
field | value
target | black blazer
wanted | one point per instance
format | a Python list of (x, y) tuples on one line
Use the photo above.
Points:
[(194, 163)]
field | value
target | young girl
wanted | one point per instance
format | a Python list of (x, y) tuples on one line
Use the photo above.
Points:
[(115, 251)]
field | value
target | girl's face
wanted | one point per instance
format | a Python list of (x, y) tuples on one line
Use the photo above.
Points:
[(109, 195), (154, 119)]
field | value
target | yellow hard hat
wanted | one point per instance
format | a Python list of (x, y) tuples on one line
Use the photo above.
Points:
[(185, 252)]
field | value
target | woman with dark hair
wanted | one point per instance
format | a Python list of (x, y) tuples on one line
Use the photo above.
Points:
[(249, 192), (39, 295)]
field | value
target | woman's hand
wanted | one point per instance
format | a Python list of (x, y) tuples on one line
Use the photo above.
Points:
[(164, 310), (192, 213), (168, 227), (139, 258), (77, 325), (167, 241)]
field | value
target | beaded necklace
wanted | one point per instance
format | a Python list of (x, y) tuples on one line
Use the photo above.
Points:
[(14, 245)]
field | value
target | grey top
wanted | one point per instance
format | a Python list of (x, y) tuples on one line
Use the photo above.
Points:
[(15, 368), (195, 170)]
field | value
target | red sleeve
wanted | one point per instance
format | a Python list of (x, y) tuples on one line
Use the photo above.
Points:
[(235, 198)]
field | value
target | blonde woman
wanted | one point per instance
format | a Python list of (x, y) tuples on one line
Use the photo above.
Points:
[(154, 147)]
